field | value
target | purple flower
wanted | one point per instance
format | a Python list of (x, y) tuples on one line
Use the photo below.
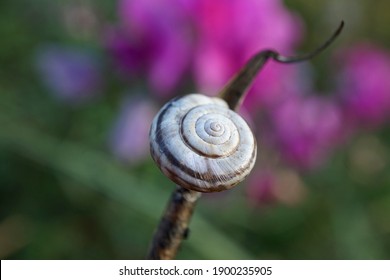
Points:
[(153, 40), (171, 42), (72, 75), (306, 129), (129, 140), (229, 33), (365, 85), (261, 185)]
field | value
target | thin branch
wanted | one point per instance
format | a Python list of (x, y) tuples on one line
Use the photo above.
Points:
[(234, 91), (173, 227)]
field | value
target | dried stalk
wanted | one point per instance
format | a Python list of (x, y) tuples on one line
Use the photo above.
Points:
[(173, 227)]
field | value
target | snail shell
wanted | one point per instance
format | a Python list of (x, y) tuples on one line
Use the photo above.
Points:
[(202, 145)]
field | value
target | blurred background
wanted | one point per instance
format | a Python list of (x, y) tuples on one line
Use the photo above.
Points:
[(81, 80)]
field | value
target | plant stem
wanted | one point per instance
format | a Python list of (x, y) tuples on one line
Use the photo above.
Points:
[(173, 227)]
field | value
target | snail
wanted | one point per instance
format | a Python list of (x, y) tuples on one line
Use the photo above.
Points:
[(201, 144)]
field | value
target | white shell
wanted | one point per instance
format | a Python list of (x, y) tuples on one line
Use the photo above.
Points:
[(202, 145)]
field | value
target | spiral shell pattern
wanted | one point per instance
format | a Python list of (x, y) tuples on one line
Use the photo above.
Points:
[(202, 145)]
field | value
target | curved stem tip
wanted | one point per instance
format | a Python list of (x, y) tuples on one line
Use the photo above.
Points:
[(236, 88)]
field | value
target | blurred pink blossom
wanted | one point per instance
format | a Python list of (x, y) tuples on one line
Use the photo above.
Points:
[(129, 140), (153, 40), (229, 33), (171, 41), (261, 186), (71, 74), (305, 130), (365, 84)]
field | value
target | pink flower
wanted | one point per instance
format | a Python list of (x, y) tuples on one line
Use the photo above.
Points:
[(129, 140), (176, 41), (153, 39), (306, 129), (260, 189), (229, 34), (365, 85)]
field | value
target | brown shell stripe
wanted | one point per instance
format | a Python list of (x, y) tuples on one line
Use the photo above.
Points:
[(195, 174)]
